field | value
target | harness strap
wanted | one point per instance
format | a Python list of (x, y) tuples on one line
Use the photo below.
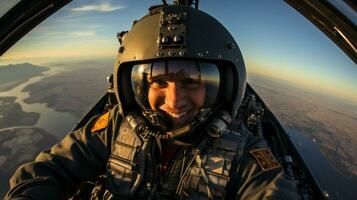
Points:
[(122, 168), (211, 170), (207, 173)]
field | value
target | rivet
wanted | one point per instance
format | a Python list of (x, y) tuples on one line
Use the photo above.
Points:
[(181, 53), (200, 54), (171, 53), (219, 56), (207, 52), (165, 40), (177, 38), (158, 54)]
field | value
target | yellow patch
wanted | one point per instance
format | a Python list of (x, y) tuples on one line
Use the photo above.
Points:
[(265, 158), (101, 122)]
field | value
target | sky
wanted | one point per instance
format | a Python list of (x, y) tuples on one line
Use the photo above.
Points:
[(275, 40)]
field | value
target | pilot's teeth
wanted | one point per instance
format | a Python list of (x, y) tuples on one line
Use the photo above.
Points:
[(178, 115)]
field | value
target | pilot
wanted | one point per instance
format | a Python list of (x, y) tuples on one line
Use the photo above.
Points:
[(175, 133)]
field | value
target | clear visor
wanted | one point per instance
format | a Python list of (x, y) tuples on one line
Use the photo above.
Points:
[(189, 74)]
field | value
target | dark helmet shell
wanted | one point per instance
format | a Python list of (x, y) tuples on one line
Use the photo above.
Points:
[(176, 31)]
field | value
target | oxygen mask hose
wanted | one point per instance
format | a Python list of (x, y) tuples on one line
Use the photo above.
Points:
[(142, 166), (138, 124), (146, 137)]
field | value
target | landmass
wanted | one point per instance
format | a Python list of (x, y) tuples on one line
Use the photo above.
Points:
[(327, 120), (13, 75), (17, 146), (74, 92), (11, 114)]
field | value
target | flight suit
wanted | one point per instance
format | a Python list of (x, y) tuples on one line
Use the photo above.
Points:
[(83, 155)]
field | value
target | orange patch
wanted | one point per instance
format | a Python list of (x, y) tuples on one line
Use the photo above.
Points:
[(101, 122), (265, 158)]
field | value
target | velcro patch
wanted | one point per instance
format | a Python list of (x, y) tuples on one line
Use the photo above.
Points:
[(265, 158), (101, 122)]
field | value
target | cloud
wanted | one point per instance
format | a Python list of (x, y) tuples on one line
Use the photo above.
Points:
[(84, 33), (104, 7)]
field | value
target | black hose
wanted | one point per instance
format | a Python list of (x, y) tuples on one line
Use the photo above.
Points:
[(142, 165)]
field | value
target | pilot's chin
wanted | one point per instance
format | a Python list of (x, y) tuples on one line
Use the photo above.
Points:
[(185, 120)]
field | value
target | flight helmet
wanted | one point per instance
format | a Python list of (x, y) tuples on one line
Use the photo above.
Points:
[(178, 35)]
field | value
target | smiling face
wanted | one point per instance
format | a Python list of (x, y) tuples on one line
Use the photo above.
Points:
[(180, 99), (179, 88)]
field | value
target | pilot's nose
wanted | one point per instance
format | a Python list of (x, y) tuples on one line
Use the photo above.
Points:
[(174, 96)]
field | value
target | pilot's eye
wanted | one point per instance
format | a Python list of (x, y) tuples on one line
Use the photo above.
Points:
[(190, 83), (159, 83)]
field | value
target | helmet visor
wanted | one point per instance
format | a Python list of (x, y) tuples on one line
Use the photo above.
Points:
[(189, 74)]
